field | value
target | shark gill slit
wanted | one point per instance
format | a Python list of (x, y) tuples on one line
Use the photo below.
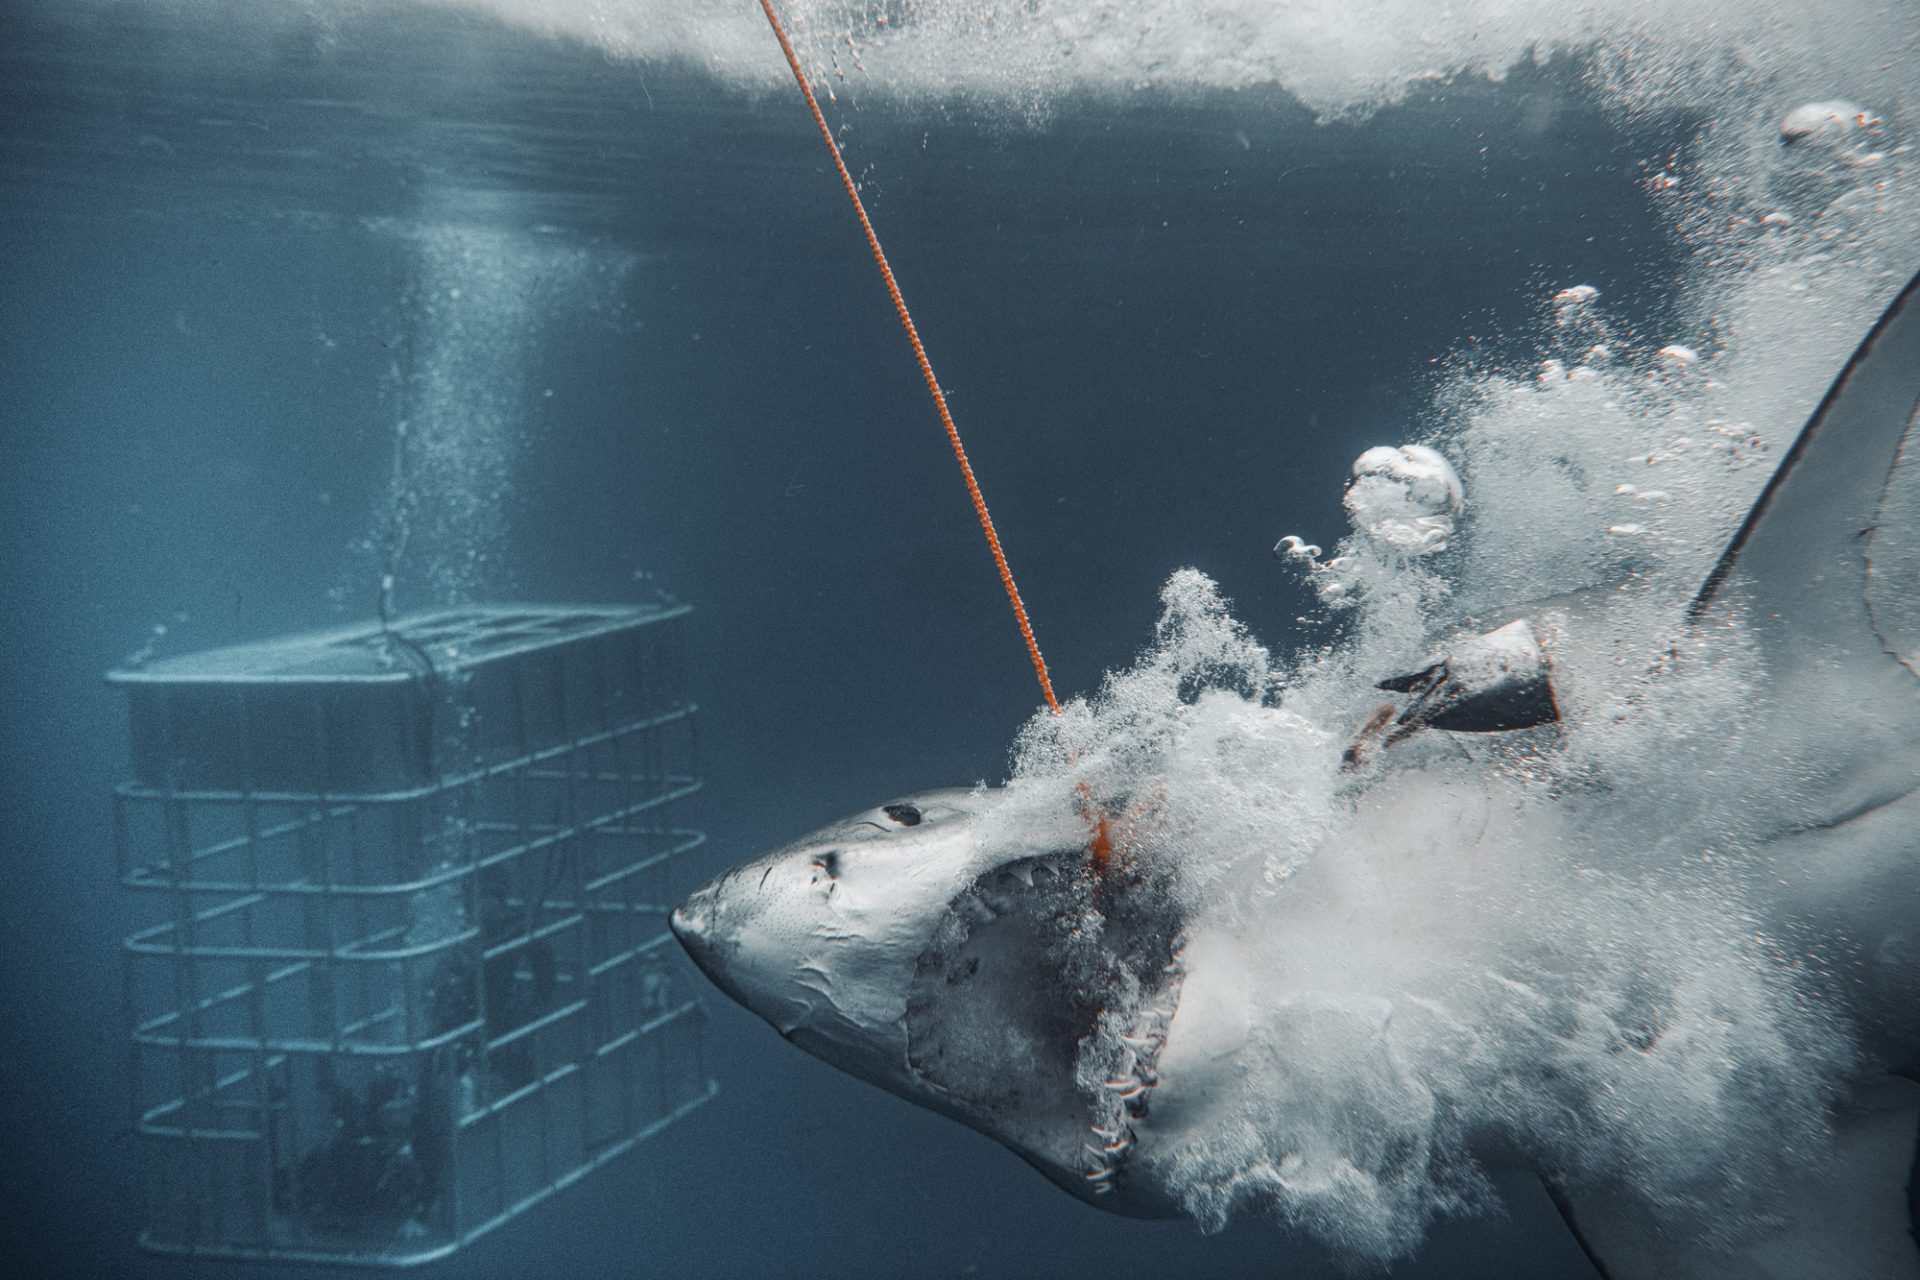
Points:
[(1100, 842)]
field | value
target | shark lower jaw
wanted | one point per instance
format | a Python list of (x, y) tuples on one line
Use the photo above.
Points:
[(1037, 1014)]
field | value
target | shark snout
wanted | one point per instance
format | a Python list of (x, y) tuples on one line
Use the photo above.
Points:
[(692, 924), (749, 939), (707, 925)]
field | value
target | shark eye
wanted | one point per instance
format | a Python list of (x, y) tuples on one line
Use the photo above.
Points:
[(828, 864), (904, 814)]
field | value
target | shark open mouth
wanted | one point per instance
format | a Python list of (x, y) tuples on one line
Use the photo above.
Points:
[(1045, 992)]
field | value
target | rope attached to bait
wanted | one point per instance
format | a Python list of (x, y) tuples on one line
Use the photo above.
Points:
[(1100, 845), (926, 367)]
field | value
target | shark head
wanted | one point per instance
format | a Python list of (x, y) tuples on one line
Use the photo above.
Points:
[(970, 976), (820, 937)]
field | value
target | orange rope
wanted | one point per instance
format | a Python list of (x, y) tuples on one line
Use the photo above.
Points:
[(926, 367), (1100, 846)]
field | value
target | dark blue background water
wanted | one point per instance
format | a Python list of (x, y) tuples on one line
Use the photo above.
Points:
[(1166, 327)]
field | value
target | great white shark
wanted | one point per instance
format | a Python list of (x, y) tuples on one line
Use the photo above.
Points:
[(898, 945)]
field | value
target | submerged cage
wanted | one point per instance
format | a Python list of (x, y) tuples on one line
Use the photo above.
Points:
[(401, 967)]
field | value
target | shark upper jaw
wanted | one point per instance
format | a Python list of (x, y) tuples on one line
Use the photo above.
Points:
[(909, 954), (822, 935)]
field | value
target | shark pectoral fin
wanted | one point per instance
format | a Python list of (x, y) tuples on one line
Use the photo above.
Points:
[(1851, 1214)]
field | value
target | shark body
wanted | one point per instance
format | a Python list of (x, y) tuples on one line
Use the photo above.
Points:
[(903, 948)]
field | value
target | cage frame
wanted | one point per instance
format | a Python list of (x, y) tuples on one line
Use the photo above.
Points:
[(467, 850)]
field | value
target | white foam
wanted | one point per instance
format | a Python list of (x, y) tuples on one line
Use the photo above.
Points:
[(1335, 57), (1486, 950), (1405, 499)]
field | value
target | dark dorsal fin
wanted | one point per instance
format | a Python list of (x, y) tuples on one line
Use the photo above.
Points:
[(1824, 577), (1798, 554)]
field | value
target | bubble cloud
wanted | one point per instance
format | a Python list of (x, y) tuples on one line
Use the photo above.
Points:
[(1405, 499)]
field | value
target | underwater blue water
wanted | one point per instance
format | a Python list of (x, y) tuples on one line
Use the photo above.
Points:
[(1166, 326)]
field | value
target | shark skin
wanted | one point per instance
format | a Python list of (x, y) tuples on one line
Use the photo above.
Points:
[(831, 940), (897, 946)]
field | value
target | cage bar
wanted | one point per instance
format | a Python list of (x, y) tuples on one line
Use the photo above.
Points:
[(400, 968)]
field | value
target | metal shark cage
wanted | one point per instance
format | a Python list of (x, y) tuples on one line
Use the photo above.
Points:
[(401, 967)]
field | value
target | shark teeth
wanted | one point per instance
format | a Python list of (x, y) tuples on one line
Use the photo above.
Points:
[(1027, 873), (1123, 1096), (1153, 1017)]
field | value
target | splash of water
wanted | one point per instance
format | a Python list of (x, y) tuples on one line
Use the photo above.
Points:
[(1486, 950), (1336, 58), (1472, 953)]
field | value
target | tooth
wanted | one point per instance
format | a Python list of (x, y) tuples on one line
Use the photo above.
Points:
[(1100, 1175), (1022, 873), (1139, 1044), (1118, 1145), (1121, 1086)]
